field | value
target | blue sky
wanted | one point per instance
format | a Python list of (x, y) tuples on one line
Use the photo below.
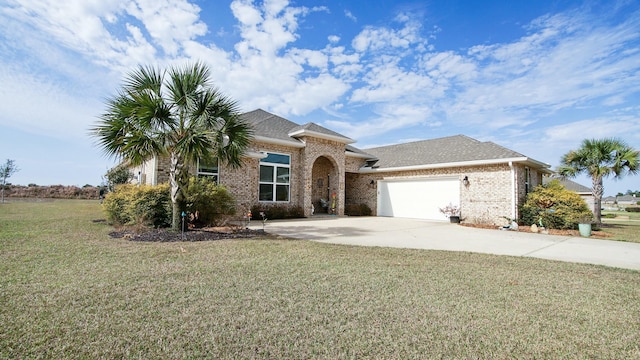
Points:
[(534, 76)]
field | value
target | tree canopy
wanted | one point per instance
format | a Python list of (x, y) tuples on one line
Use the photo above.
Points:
[(600, 158), (6, 171)]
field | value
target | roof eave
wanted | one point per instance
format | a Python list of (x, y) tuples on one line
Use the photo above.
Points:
[(255, 155), (455, 164), (268, 140), (305, 132)]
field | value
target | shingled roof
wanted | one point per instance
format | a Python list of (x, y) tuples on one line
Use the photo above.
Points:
[(269, 126), (568, 184), (446, 150)]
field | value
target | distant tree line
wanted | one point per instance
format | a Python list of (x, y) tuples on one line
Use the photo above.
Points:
[(629, 192), (52, 191)]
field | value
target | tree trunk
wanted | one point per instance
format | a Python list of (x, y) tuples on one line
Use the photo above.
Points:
[(177, 197), (597, 191)]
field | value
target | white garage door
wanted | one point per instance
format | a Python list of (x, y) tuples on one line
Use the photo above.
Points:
[(417, 198)]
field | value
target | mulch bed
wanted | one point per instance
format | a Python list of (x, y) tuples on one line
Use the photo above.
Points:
[(573, 233), (167, 235)]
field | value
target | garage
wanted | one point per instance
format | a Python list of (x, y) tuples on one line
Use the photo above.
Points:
[(419, 198)]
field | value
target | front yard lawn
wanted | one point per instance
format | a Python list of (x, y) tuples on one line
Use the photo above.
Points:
[(68, 290), (624, 227)]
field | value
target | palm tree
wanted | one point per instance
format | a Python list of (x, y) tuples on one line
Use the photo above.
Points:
[(175, 114), (600, 158)]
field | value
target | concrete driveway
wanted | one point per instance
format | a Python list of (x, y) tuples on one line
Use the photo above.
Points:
[(422, 234)]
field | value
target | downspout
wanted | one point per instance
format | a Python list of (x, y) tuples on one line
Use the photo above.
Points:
[(513, 190)]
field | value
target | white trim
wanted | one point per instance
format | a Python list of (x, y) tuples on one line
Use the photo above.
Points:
[(279, 141), (365, 170), (420, 177), (275, 182), (513, 190), (357, 155), (305, 132), (154, 178), (215, 175), (255, 154)]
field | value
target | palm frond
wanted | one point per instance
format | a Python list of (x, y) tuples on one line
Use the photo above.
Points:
[(144, 78), (232, 140)]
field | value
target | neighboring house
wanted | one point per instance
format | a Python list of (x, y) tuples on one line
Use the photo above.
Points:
[(304, 165), (627, 200), (609, 200), (585, 193)]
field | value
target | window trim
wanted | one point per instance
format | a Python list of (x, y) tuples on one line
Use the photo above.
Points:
[(274, 184)]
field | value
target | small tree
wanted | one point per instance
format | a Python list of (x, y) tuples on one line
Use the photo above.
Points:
[(6, 170), (555, 207), (176, 114), (117, 175)]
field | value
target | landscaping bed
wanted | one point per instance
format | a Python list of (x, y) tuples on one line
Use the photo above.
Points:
[(575, 233)]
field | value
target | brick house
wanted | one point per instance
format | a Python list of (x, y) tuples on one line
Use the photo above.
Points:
[(305, 165)]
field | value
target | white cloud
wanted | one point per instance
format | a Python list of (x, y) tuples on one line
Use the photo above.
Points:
[(169, 22), (389, 118), (567, 61), (41, 106), (333, 38), (390, 82), (350, 15), (311, 94), (572, 133), (105, 31)]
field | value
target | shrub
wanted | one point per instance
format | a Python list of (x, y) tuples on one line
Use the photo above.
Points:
[(277, 211), (139, 205), (554, 206), (209, 204), (632, 209), (357, 210)]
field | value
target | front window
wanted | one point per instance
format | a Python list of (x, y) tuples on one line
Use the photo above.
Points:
[(209, 169), (275, 171), (527, 180)]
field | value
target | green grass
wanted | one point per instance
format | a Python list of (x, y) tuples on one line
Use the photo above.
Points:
[(624, 228), (69, 291)]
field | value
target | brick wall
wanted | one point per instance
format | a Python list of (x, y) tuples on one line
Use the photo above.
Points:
[(316, 169), (486, 200), (321, 158), (244, 182)]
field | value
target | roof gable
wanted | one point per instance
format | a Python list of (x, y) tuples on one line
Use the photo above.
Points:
[(627, 198), (269, 126)]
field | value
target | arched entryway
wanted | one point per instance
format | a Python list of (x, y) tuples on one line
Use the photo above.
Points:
[(325, 183)]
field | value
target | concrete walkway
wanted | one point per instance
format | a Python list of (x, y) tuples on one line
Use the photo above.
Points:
[(422, 234)]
